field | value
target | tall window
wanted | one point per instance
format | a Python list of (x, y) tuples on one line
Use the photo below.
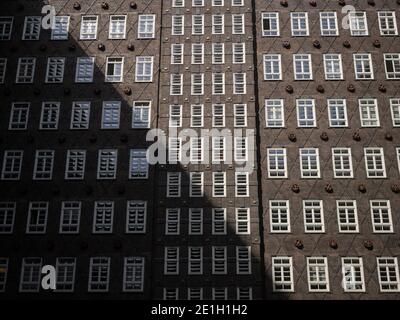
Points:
[(218, 221), (197, 24), (146, 29), (19, 116), (171, 261), (369, 114), (302, 67), (299, 24), (30, 274), (178, 25), (37, 217), (353, 274), (110, 116), (270, 24), (358, 23), (342, 163), (65, 272), (195, 221), (80, 115), (328, 24), (173, 184), (272, 67), (392, 65), (333, 66), (12, 164), (84, 69), (313, 216), (282, 274), (337, 109), (133, 274), (195, 256), (43, 167), (237, 23), (347, 216), (172, 221), (141, 114), (99, 274), (218, 21), (243, 260), (277, 163), (381, 216), (103, 217), (70, 217), (32, 26), (107, 164), (375, 163), (363, 66), (89, 27), (117, 27), (49, 116), (6, 25), (55, 70), (387, 23), (219, 260), (274, 113), (306, 113), (279, 216), (114, 69), (388, 274), (60, 28), (309, 162), (239, 83), (139, 167), (3, 68), (136, 215), (317, 273), (177, 53), (395, 111), (219, 184), (25, 70), (7, 216)]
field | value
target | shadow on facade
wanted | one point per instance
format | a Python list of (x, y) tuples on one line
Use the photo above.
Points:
[(118, 244)]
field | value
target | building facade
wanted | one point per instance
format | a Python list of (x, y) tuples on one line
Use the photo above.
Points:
[(275, 129)]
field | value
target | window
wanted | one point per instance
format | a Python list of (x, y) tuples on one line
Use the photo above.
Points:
[(342, 163), (139, 167), (353, 274), (172, 221), (133, 274), (49, 116), (141, 114), (114, 69), (277, 163), (177, 53), (240, 115), (387, 23), (60, 28), (218, 221), (107, 164), (395, 111), (238, 53), (7, 216), (43, 168), (6, 24), (198, 3), (30, 275), (244, 293), (375, 163), (219, 184), (89, 28), (196, 188), (19, 116), (302, 67), (176, 84), (173, 184), (55, 70), (272, 67), (195, 256), (174, 150), (392, 65), (240, 149), (381, 216), (103, 217), (3, 68), (196, 149), (369, 114), (195, 293), (328, 23), (197, 84), (117, 27), (218, 24), (274, 113), (313, 216), (171, 293), (218, 117), (65, 271), (220, 293), (317, 273), (110, 115), (84, 69), (306, 113), (12, 164), (171, 261), (144, 69), (146, 29), (239, 83), (237, 23), (243, 260), (70, 217), (363, 66), (136, 215), (358, 23), (219, 260), (309, 163), (197, 24), (216, 3), (99, 274), (80, 115), (3, 273), (279, 215), (242, 184), (75, 165), (337, 109), (196, 115), (282, 274), (178, 25), (242, 221), (25, 70), (32, 26), (347, 216), (195, 221), (299, 24), (218, 83), (218, 149), (388, 274), (37, 217), (178, 3), (270, 24), (333, 66), (218, 53)]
